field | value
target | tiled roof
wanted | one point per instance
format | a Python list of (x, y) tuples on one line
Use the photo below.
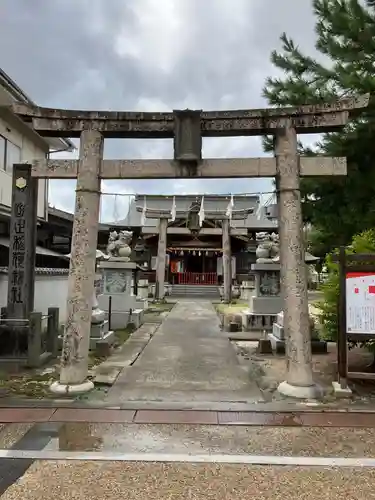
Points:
[(183, 202), (51, 271)]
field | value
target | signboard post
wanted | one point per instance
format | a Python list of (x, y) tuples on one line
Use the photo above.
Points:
[(356, 315)]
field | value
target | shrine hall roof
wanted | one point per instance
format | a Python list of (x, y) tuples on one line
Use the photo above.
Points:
[(212, 203)]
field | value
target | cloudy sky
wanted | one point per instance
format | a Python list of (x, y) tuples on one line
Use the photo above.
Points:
[(150, 55)]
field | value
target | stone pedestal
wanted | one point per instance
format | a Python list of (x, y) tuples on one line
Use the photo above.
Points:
[(117, 281), (101, 334), (143, 289), (277, 337), (167, 290), (247, 289), (265, 302), (141, 294), (278, 327), (235, 294)]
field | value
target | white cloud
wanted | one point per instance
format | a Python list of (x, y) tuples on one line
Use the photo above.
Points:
[(159, 35), (150, 55)]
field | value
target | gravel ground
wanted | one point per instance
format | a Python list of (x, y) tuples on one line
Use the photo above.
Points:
[(140, 481)]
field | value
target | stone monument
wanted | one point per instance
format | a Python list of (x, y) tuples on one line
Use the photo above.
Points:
[(118, 271), (278, 337), (265, 302), (99, 332)]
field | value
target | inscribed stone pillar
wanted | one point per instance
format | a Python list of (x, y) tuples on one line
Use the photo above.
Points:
[(227, 262), (299, 382), (74, 358), (23, 222), (160, 261)]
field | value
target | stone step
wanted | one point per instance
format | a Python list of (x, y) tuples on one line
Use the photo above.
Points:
[(195, 290), (196, 287), (190, 285)]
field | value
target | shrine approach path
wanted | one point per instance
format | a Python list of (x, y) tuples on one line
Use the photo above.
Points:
[(188, 359)]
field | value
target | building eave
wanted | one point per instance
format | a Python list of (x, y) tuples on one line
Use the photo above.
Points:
[(13, 89), (58, 144), (27, 131)]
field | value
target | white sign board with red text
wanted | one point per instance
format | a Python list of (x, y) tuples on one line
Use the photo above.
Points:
[(360, 303)]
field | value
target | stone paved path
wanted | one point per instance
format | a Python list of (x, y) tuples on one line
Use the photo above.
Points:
[(188, 359)]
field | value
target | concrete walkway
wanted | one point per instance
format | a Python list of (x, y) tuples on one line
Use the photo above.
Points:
[(188, 359)]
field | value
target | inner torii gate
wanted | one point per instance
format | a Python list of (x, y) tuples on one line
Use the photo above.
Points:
[(165, 215), (187, 129)]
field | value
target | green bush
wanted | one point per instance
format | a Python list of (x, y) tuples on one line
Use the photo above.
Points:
[(361, 243)]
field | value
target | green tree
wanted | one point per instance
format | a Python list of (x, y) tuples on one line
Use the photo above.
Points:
[(338, 208)]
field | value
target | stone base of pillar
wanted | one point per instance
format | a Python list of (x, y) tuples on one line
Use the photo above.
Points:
[(65, 389), (257, 321), (341, 392), (300, 392)]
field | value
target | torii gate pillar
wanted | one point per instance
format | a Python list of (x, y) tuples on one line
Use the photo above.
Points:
[(75, 350), (227, 262), (299, 382), (161, 259)]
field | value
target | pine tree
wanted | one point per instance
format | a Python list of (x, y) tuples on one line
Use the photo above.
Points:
[(338, 208)]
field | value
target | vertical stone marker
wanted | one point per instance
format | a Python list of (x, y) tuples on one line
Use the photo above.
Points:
[(74, 356), (299, 382), (21, 268)]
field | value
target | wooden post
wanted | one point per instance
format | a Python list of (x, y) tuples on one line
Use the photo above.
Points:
[(299, 382), (342, 349), (53, 326), (227, 262), (110, 312), (23, 222), (136, 278), (74, 357), (160, 260)]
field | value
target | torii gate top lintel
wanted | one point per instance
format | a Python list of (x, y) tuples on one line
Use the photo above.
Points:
[(322, 117)]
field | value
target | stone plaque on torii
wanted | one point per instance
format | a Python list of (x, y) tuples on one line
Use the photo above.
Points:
[(187, 129), (219, 215)]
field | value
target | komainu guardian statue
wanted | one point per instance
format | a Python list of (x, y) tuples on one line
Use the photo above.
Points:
[(118, 247)]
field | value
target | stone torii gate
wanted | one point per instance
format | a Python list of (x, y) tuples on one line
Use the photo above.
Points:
[(187, 129), (165, 215)]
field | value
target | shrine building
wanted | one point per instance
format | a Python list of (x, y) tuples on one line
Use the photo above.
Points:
[(194, 247)]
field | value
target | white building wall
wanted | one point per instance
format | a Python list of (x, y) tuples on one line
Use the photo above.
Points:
[(50, 291), (29, 152)]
